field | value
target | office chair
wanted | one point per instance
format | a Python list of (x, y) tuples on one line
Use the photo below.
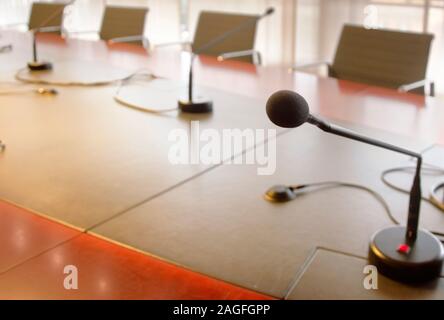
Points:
[(386, 58), (123, 24), (239, 46), (43, 15)]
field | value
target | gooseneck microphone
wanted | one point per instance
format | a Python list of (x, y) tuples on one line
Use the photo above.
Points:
[(36, 64), (406, 253), (202, 105)]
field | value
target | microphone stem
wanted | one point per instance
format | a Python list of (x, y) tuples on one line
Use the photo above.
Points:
[(215, 41), (415, 192), (414, 205), (190, 79), (337, 130), (34, 46)]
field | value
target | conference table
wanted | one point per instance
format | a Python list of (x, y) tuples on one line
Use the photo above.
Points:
[(84, 160)]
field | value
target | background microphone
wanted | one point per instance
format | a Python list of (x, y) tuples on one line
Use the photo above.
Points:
[(193, 105), (404, 253), (35, 64)]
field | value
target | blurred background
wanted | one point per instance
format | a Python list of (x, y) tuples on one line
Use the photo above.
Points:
[(301, 31)]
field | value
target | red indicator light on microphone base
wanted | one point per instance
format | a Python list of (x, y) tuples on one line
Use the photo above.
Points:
[(404, 248)]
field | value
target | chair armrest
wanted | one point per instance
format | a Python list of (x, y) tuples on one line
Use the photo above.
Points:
[(257, 58), (126, 39), (82, 31), (309, 65), (418, 84), (175, 43), (142, 38), (47, 29)]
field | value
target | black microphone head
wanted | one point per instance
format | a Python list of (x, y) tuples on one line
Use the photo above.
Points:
[(269, 11), (287, 109)]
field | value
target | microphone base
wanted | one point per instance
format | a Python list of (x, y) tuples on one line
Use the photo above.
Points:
[(197, 106), (279, 193), (39, 66), (420, 262)]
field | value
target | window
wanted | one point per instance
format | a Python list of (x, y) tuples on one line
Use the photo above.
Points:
[(319, 23), (300, 30)]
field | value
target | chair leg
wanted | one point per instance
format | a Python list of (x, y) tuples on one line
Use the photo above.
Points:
[(146, 43), (432, 89), (2, 146), (258, 58)]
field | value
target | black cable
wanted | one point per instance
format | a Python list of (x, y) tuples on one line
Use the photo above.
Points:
[(335, 184), (20, 75), (430, 170), (146, 76)]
